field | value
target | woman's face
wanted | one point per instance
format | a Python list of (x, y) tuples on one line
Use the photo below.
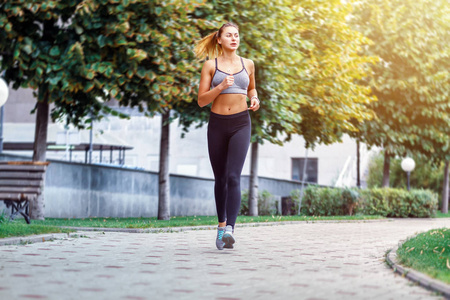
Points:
[(229, 39)]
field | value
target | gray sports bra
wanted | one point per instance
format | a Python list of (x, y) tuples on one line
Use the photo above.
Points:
[(240, 84)]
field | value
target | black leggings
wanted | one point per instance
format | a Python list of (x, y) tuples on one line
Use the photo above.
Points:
[(228, 141)]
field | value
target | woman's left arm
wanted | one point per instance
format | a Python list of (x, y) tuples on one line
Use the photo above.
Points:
[(252, 94)]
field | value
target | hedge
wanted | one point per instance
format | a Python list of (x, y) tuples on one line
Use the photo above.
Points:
[(387, 202)]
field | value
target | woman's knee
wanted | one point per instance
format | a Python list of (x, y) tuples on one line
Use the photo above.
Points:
[(234, 180), (221, 182)]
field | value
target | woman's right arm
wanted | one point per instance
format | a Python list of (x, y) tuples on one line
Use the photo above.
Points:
[(205, 95)]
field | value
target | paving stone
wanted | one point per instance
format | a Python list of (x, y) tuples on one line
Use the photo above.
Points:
[(320, 260)]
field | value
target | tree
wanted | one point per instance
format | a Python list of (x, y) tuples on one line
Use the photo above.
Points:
[(177, 76), (445, 189), (74, 52), (412, 79), (43, 47)]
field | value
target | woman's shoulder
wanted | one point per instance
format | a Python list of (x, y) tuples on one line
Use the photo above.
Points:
[(248, 63), (247, 60), (210, 63)]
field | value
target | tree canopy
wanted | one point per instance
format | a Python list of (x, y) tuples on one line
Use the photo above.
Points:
[(307, 67), (78, 51), (412, 79)]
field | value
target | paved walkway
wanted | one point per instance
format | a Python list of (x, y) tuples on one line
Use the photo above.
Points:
[(296, 261)]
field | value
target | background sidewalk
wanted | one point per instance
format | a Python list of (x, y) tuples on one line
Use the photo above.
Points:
[(299, 261)]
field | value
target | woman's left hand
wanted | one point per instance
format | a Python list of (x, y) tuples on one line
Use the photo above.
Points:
[(254, 104)]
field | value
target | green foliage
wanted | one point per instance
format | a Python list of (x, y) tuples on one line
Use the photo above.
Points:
[(140, 53), (295, 196), (332, 68), (412, 79), (390, 202), (52, 225), (376, 201), (421, 204), (426, 175), (267, 204), (75, 52), (3, 217), (319, 201), (375, 171), (384, 202), (19, 228), (244, 203), (307, 66), (439, 214), (428, 253)]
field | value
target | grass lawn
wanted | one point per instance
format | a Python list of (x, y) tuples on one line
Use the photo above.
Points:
[(51, 225), (441, 215), (429, 253), (182, 221), (19, 228)]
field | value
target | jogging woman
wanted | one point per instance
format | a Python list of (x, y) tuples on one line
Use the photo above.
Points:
[(227, 80)]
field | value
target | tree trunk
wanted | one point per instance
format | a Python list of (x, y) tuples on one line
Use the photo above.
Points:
[(253, 188), (445, 189), (164, 181), (387, 163), (39, 154), (358, 164)]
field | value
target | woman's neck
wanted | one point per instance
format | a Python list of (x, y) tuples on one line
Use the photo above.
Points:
[(229, 55)]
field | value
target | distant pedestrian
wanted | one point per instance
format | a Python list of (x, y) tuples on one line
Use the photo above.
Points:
[(227, 80)]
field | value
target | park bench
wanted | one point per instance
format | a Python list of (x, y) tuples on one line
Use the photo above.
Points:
[(20, 183)]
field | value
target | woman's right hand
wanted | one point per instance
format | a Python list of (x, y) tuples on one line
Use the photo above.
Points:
[(227, 82)]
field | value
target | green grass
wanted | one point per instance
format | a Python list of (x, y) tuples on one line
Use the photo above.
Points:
[(428, 253), (441, 215), (13, 229), (51, 225), (182, 221)]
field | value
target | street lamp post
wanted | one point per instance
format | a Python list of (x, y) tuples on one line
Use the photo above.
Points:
[(408, 165), (4, 93)]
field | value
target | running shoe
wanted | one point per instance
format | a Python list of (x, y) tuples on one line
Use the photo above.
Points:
[(228, 237), (219, 241)]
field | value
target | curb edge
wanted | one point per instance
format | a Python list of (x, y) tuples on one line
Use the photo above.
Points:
[(33, 239), (416, 276)]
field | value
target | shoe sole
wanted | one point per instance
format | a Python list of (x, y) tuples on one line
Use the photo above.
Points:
[(228, 240)]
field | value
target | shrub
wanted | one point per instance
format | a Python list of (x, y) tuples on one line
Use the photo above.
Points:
[(387, 202), (423, 203), (375, 202), (324, 202), (3, 217), (295, 196), (244, 203), (267, 204), (351, 199)]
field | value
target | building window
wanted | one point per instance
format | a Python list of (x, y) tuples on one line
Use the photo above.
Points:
[(312, 174)]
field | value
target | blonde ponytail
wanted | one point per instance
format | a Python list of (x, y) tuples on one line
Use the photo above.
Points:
[(208, 47)]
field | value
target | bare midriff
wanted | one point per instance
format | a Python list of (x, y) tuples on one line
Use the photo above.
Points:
[(228, 104)]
